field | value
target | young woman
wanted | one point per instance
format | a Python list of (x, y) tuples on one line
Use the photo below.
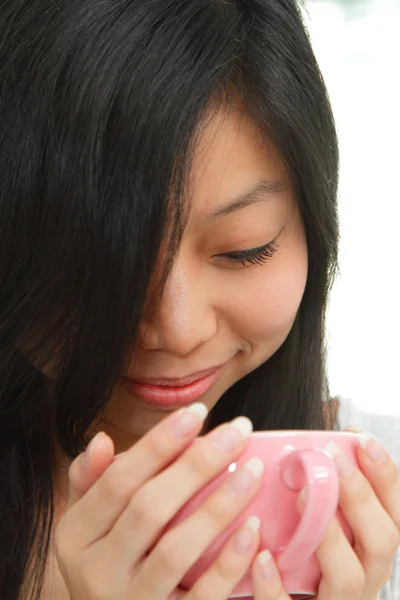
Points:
[(169, 234)]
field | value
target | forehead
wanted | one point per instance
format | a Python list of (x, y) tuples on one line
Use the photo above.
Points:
[(231, 155)]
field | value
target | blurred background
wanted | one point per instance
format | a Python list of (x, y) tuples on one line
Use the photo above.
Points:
[(357, 43)]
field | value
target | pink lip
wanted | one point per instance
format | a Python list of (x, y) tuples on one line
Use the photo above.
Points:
[(169, 393), (176, 381)]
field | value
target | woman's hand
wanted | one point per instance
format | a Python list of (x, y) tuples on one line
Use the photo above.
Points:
[(370, 502), (119, 506)]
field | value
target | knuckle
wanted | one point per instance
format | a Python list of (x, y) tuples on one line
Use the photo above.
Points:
[(392, 541), (92, 578), (392, 538), (226, 567), (114, 485), (158, 447), (147, 510), (334, 533), (276, 591), (203, 590), (390, 476), (351, 583), (218, 508), (360, 490), (385, 550), (202, 461), (171, 557)]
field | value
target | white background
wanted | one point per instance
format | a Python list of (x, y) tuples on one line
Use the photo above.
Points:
[(357, 43)]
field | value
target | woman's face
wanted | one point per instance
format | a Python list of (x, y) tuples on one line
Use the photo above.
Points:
[(226, 308)]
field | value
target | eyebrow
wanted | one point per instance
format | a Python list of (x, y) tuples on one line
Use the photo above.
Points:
[(262, 190)]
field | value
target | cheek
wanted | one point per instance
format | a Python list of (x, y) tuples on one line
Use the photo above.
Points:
[(266, 301)]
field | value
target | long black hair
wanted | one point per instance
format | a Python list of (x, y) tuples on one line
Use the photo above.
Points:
[(100, 106)]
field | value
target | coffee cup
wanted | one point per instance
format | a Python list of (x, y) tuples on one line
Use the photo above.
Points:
[(293, 461)]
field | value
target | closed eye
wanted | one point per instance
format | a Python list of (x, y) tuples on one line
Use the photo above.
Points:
[(253, 256)]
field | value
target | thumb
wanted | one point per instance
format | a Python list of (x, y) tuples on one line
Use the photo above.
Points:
[(86, 469)]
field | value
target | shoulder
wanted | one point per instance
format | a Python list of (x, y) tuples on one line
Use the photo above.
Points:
[(386, 428)]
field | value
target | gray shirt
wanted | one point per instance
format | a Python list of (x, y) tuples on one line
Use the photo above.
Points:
[(386, 429)]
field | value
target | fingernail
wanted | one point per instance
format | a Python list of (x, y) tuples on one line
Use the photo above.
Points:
[(186, 420), (229, 437), (267, 567), (372, 447), (354, 428), (344, 466), (244, 538), (90, 447), (241, 481)]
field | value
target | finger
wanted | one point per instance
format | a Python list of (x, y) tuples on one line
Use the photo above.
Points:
[(375, 534), (230, 566), (353, 429), (177, 594), (267, 583), (183, 545), (343, 576), (85, 470), (97, 511), (382, 473), (158, 501)]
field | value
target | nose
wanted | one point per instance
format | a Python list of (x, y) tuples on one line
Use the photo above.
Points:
[(185, 317)]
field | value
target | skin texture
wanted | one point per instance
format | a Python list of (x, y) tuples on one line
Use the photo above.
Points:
[(111, 509), (213, 311)]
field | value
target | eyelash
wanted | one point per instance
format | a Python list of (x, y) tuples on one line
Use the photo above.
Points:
[(254, 256)]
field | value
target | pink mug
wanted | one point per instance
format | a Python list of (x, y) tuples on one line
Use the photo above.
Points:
[(293, 460)]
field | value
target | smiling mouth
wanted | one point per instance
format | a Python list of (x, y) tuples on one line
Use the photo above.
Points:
[(176, 381), (173, 392)]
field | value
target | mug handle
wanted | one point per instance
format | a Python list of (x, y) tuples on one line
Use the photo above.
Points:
[(321, 502)]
